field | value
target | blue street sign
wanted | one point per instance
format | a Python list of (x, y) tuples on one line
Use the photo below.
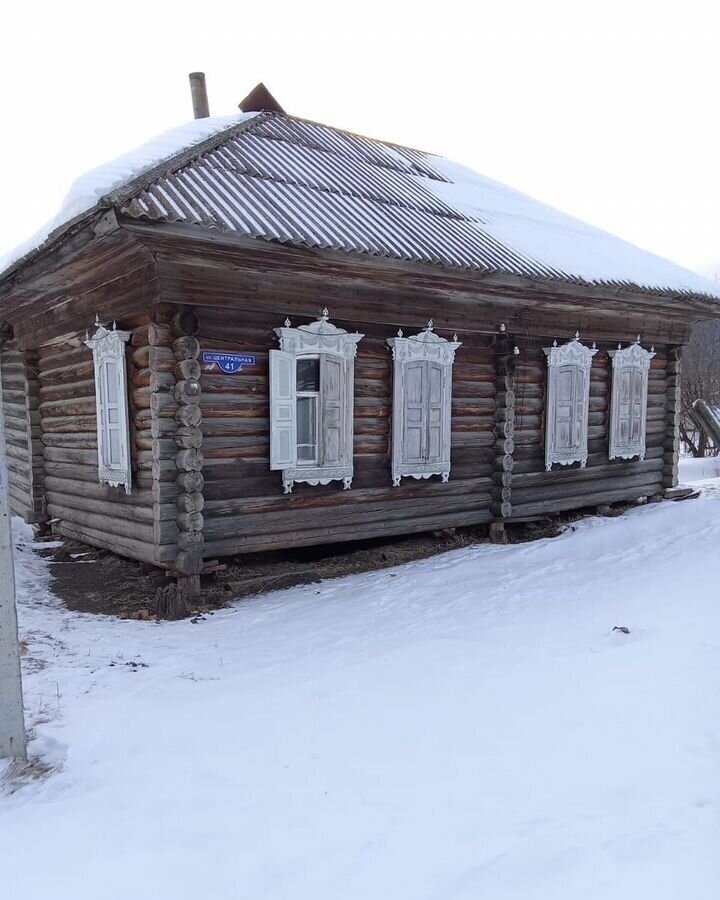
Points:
[(229, 363)]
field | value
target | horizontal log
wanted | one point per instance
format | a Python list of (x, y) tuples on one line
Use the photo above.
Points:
[(190, 482), (251, 543), (81, 441), (69, 424), (189, 460), (188, 503), (78, 389), (124, 546), (188, 416), (578, 488), (102, 507), (73, 406), (188, 438), (159, 335), (187, 392), (186, 347), (563, 504), (190, 521), (190, 540), (187, 368), (109, 524), (163, 405), (99, 493)]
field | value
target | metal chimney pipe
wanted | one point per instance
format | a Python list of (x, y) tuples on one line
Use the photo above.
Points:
[(198, 89)]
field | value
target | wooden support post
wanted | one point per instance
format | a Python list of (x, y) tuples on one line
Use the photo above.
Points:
[(497, 532), (672, 420), (504, 425)]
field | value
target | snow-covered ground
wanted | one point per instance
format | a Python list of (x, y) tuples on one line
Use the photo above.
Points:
[(461, 728)]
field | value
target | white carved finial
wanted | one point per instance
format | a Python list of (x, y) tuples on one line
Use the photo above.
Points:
[(577, 335), (638, 339), (97, 320), (619, 346), (594, 346), (516, 350), (325, 314), (502, 326), (400, 333), (555, 343), (652, 348), (455, 338), (430, 325), (114, 325), (287, 322)]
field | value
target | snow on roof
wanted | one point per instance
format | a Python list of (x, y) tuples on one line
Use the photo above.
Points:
[(86, 191), (298, 182), (556, 240)]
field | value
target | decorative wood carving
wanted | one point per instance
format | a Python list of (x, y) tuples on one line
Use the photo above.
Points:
[(422, 398), (628, 403), (568, 397), (111, 404), (325, 341)]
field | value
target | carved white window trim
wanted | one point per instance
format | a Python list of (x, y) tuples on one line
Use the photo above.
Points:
[(319, 338), (108, 345), (427, 347), (633, 359), (578, 358)]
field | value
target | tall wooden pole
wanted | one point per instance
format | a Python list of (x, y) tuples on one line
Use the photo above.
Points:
[(12, 724)]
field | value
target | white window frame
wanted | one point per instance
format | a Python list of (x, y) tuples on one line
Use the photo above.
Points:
[(108, 345), (317, 340), (427, 347), (577, 358), (635, 360)]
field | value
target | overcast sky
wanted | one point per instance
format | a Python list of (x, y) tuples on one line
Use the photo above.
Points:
[(607, 110)]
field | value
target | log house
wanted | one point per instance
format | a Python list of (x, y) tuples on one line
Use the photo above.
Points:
[(283, 334)]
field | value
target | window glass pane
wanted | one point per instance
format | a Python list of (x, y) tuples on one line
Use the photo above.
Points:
[(308, 375), (306, 429)]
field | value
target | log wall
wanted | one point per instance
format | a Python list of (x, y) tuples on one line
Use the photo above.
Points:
[(603, 481), (24, 450), (79, 506), (244, 506)]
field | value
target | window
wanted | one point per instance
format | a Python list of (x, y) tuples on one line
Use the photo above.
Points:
[(308, 400), (311, 403), (113, 436), (422, 399), (628, 402), (568, 400)]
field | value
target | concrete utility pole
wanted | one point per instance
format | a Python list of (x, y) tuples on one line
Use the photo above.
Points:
[(12, 723)]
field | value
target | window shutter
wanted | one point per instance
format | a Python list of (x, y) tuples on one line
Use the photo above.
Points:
[(628, 402), (113, 448), (415, 413), (422, 398), (332, 411), (568, 398), (111, 406), (283, 427)]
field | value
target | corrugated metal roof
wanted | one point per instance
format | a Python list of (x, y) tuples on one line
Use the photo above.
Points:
[(285, 179), (288, 180), (278, 178)]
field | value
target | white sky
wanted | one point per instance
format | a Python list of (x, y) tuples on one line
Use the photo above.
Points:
[(606, 110)]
